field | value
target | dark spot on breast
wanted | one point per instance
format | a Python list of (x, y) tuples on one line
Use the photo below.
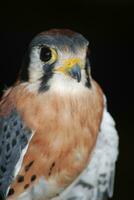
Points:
[(8, 135), (0, 150), (14, 142), (102, 182), (85, 185), (8, 147), (3, 169), (20, 178), (103, 175), (27, 167), (5, 128), (51, 168), (26, 186), (53, 164), (33, 177), (11, 191)]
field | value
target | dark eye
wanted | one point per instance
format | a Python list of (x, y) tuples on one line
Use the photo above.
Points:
[(45, 54)]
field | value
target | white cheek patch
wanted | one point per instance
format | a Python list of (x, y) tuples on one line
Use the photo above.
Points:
[(35, 72), (36, 66)]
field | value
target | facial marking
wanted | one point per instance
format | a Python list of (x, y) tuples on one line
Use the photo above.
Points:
[(55, 56)]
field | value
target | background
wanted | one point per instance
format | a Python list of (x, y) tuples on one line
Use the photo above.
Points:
[(109, 28)]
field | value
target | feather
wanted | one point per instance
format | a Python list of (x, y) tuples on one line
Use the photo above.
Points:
[(14, 138), (96, 182)]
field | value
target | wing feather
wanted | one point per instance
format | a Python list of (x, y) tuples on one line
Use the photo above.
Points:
[(14, 140)]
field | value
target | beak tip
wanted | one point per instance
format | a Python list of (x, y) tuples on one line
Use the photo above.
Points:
[(75, 72)]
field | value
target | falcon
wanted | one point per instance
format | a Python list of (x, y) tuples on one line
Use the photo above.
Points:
[(57, 139)]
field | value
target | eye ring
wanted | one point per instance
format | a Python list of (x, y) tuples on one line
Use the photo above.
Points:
[(48, 54)]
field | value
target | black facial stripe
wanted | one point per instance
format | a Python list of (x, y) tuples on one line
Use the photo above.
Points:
[(48, 73), (88, 82)]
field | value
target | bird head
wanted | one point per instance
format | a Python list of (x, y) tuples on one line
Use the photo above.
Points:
[(57, 57)]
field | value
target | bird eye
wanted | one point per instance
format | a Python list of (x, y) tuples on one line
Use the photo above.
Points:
[(45, 54), (48, 54)]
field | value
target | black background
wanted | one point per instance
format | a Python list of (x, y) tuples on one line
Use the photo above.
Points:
[(109, 28)]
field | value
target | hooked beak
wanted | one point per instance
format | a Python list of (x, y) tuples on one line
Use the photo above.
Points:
[(72, 67), (75, 72)]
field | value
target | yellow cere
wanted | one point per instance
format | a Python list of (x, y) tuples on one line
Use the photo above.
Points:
[(69, 63)]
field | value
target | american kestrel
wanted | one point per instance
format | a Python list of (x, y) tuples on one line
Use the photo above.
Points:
[(57, 139)]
